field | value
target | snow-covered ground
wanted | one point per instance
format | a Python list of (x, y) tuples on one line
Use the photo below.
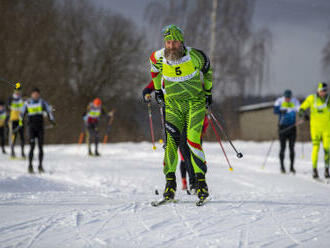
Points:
[(105, 202)]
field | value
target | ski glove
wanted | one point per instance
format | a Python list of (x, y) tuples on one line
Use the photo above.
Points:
[(283, 111), (146, 95), (302, 114), (159, 95), (208, 100)]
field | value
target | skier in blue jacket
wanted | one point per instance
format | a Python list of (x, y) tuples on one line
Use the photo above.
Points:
[(286, 107)]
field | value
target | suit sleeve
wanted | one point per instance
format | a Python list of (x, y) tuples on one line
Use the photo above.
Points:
[(204, 66), (307, 103), (277, 107), (156, 75), (149, 88), (48, 110), (24, 110)]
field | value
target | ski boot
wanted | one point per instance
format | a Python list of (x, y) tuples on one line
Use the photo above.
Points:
[(326, 173), (283, 169), (90, 153), (184, 183), (170, 186), (41, 169), (202, 190), (292, 170), (30, 169), (315, 173), (97, 154), (3, 151)]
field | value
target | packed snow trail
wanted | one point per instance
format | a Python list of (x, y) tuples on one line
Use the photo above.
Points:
[(105, 201)]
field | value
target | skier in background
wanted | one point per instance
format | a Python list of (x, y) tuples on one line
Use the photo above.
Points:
[(92, 118), (3, 120), (180, 67), (35, 107), (286, 107), (15, 105), (319, 106)]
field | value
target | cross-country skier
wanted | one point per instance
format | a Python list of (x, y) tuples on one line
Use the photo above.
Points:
[(15, 105), (3, 120), (92, 118), (180, 67), (286, 108), (183, 147), (319, 106), (35, 107)]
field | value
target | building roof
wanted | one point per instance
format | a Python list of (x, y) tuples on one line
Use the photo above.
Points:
[(258, 106)]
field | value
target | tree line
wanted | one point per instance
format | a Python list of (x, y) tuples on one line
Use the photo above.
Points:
[(75, 51)]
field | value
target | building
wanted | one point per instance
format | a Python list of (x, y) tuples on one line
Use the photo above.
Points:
[(259, 123)]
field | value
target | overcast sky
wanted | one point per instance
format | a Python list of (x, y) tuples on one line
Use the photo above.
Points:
[(300, 30)]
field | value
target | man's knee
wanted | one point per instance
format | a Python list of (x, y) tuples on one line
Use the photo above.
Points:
[(174, 132)]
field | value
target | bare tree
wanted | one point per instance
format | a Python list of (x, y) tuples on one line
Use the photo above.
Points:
[(73, 52), (326, 58), (240, 54)]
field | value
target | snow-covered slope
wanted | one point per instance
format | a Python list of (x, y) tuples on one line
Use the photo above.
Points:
[(105, 202)]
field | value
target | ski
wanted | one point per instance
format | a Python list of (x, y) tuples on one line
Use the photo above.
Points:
[(201, 202), (320, 180), (17, 158), (163, 202)]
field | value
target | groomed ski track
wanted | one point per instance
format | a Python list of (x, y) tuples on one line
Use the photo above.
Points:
[(105, 201)]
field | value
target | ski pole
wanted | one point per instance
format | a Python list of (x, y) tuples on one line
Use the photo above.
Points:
[(238, 154), (106, 136), (81, 138), (219, 140), (267, 154), (292, 126), (16, 85), (280, 132), (151, 127), (163, 124), (302, 150)]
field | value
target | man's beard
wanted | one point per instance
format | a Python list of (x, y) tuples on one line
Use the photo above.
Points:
[(174, 54)]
